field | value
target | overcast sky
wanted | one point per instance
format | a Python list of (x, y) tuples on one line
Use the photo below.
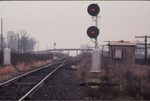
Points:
[(66, 22)]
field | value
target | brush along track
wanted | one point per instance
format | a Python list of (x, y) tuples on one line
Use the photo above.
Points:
[(15, 90)]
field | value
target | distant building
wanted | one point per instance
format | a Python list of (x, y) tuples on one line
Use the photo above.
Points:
[(121, 52)]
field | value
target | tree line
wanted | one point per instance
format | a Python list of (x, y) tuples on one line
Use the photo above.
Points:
[(19, 42)]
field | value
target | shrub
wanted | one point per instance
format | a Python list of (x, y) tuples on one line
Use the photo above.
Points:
[(132, 84)]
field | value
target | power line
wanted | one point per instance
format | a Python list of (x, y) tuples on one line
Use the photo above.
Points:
[(145, 44)]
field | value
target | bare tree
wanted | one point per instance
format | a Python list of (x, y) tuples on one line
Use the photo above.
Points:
[(12, 41), (26, 43), (20, 41), (32, 43)]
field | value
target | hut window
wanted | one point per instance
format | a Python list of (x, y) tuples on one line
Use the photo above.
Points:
[(118, 53)]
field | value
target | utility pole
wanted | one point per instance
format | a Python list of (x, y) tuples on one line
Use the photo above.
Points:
[(145, 44), (18, 42), (38, 46), (1, 34), (54, 57)]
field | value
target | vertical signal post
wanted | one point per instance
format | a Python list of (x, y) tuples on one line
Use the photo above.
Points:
[(93, 10), (93, 32)]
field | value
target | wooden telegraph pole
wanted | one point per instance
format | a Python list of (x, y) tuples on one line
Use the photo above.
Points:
[(145, 45), (1, 34)]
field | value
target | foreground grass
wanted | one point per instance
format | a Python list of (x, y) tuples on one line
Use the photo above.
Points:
[(7, 72)]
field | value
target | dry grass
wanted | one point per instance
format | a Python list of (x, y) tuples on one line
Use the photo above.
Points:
[(83, 73), (133, 81), (8, 72), (5, 77), (22, 67), (139, 70), (40, 63)]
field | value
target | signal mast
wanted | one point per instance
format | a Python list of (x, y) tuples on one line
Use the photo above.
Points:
[(93, 32)]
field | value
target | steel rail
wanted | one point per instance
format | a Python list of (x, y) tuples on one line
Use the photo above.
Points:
[(42, 81), (8, 81)]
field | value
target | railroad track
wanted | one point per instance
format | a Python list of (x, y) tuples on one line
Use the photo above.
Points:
[(19, 88)]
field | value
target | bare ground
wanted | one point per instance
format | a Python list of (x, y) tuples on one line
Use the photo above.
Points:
[(62, 85)]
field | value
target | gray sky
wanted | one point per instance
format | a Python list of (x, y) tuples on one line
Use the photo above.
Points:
[(66, 22)]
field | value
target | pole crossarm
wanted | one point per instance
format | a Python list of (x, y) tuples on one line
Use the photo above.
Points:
[(142, 44), (142, 36), (139, 36), (145, 45)]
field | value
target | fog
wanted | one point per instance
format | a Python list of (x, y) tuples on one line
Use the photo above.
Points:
[(66, 22)]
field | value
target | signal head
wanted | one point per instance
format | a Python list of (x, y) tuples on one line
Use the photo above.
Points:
[(93, 32), (93, 9)]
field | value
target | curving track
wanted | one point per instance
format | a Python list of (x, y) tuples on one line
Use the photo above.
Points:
[(21, 87)]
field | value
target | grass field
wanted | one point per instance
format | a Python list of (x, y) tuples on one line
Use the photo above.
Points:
[(132, 81)]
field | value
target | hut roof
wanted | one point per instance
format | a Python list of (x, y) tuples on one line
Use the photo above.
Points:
[(122, 43)]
